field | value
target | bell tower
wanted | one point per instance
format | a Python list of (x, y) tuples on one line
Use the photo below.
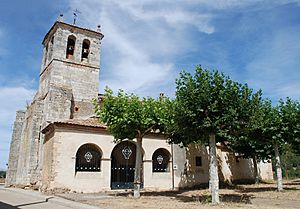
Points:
[(69, 74), (69, 80)]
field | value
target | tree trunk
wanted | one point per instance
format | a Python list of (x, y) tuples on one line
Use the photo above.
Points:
[(213, 169), (256, 177), (278, 168), (138, 166)]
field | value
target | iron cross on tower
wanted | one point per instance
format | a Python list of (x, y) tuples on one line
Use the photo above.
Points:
[(75, 15)]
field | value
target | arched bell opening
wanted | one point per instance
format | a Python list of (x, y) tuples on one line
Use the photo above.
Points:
[(85, 50), (70, 47)]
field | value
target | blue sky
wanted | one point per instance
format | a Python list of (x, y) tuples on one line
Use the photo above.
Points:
[(147, 43)]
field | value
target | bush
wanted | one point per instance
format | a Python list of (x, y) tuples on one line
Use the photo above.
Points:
[(2, 174)]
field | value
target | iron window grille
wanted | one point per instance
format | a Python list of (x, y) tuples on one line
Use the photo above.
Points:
[(161, 161), (88, 158)]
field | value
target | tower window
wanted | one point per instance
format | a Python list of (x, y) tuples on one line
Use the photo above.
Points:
[(85, 50), (198, 161), (70, 47)]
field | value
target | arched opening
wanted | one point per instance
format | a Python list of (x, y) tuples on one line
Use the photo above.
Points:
[(70, 47), (50, 51), (85, 50), (161, 160), (123, 165), (88, 158)]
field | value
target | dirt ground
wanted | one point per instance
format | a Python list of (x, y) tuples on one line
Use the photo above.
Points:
[(261, 196), (2, 180)]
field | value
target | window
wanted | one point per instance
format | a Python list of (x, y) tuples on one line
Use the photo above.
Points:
[(88, 158), (50, 51), (160, 160), (70, 47), (198, 161), (85, 50)]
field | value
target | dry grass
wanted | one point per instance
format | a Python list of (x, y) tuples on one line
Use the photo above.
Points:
[(262, 196)]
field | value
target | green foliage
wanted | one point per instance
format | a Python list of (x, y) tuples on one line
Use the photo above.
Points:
[(290, 162), (251, 141), (289, 111), (2, 174), (127, 115), (208, 102), (280, 124)]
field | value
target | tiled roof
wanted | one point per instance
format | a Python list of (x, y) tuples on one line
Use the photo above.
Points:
[(91, 122)]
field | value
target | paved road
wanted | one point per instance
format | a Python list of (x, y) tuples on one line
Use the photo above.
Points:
[(11, 198)]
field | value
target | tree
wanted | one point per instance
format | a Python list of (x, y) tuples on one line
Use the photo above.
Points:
[(269, 130), (282, 126), (277, 129), (2, 174), (290, 114), (249, 141), (129, 117), (290, 161), (207, 106)]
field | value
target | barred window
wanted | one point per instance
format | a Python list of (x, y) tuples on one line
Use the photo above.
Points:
[(88, 158), (161, 160)]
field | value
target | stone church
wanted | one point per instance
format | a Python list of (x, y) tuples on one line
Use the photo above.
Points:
[(57, 143)]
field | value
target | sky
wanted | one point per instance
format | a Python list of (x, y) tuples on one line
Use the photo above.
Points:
[(147, 43)]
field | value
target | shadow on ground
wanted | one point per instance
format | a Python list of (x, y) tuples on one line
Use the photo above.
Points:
[(203, 198), (6, 206), (243, 193), (264, 189)]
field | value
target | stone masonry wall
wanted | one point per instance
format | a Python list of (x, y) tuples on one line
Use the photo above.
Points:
[(29, 139), (14, 149)]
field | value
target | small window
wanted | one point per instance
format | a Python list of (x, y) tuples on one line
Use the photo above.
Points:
[(50, 51), (85, 50), (70, 47), (198, 161), (160, 161), (88, 158), (45, 55)]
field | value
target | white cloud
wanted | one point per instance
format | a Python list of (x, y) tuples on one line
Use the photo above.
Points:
[(143, 39), (12, 99), (275, 68)]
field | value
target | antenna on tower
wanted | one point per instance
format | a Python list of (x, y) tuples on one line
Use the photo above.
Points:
[(75, 15)]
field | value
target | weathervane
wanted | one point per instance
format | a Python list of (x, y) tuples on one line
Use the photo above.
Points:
[(75, 15)]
